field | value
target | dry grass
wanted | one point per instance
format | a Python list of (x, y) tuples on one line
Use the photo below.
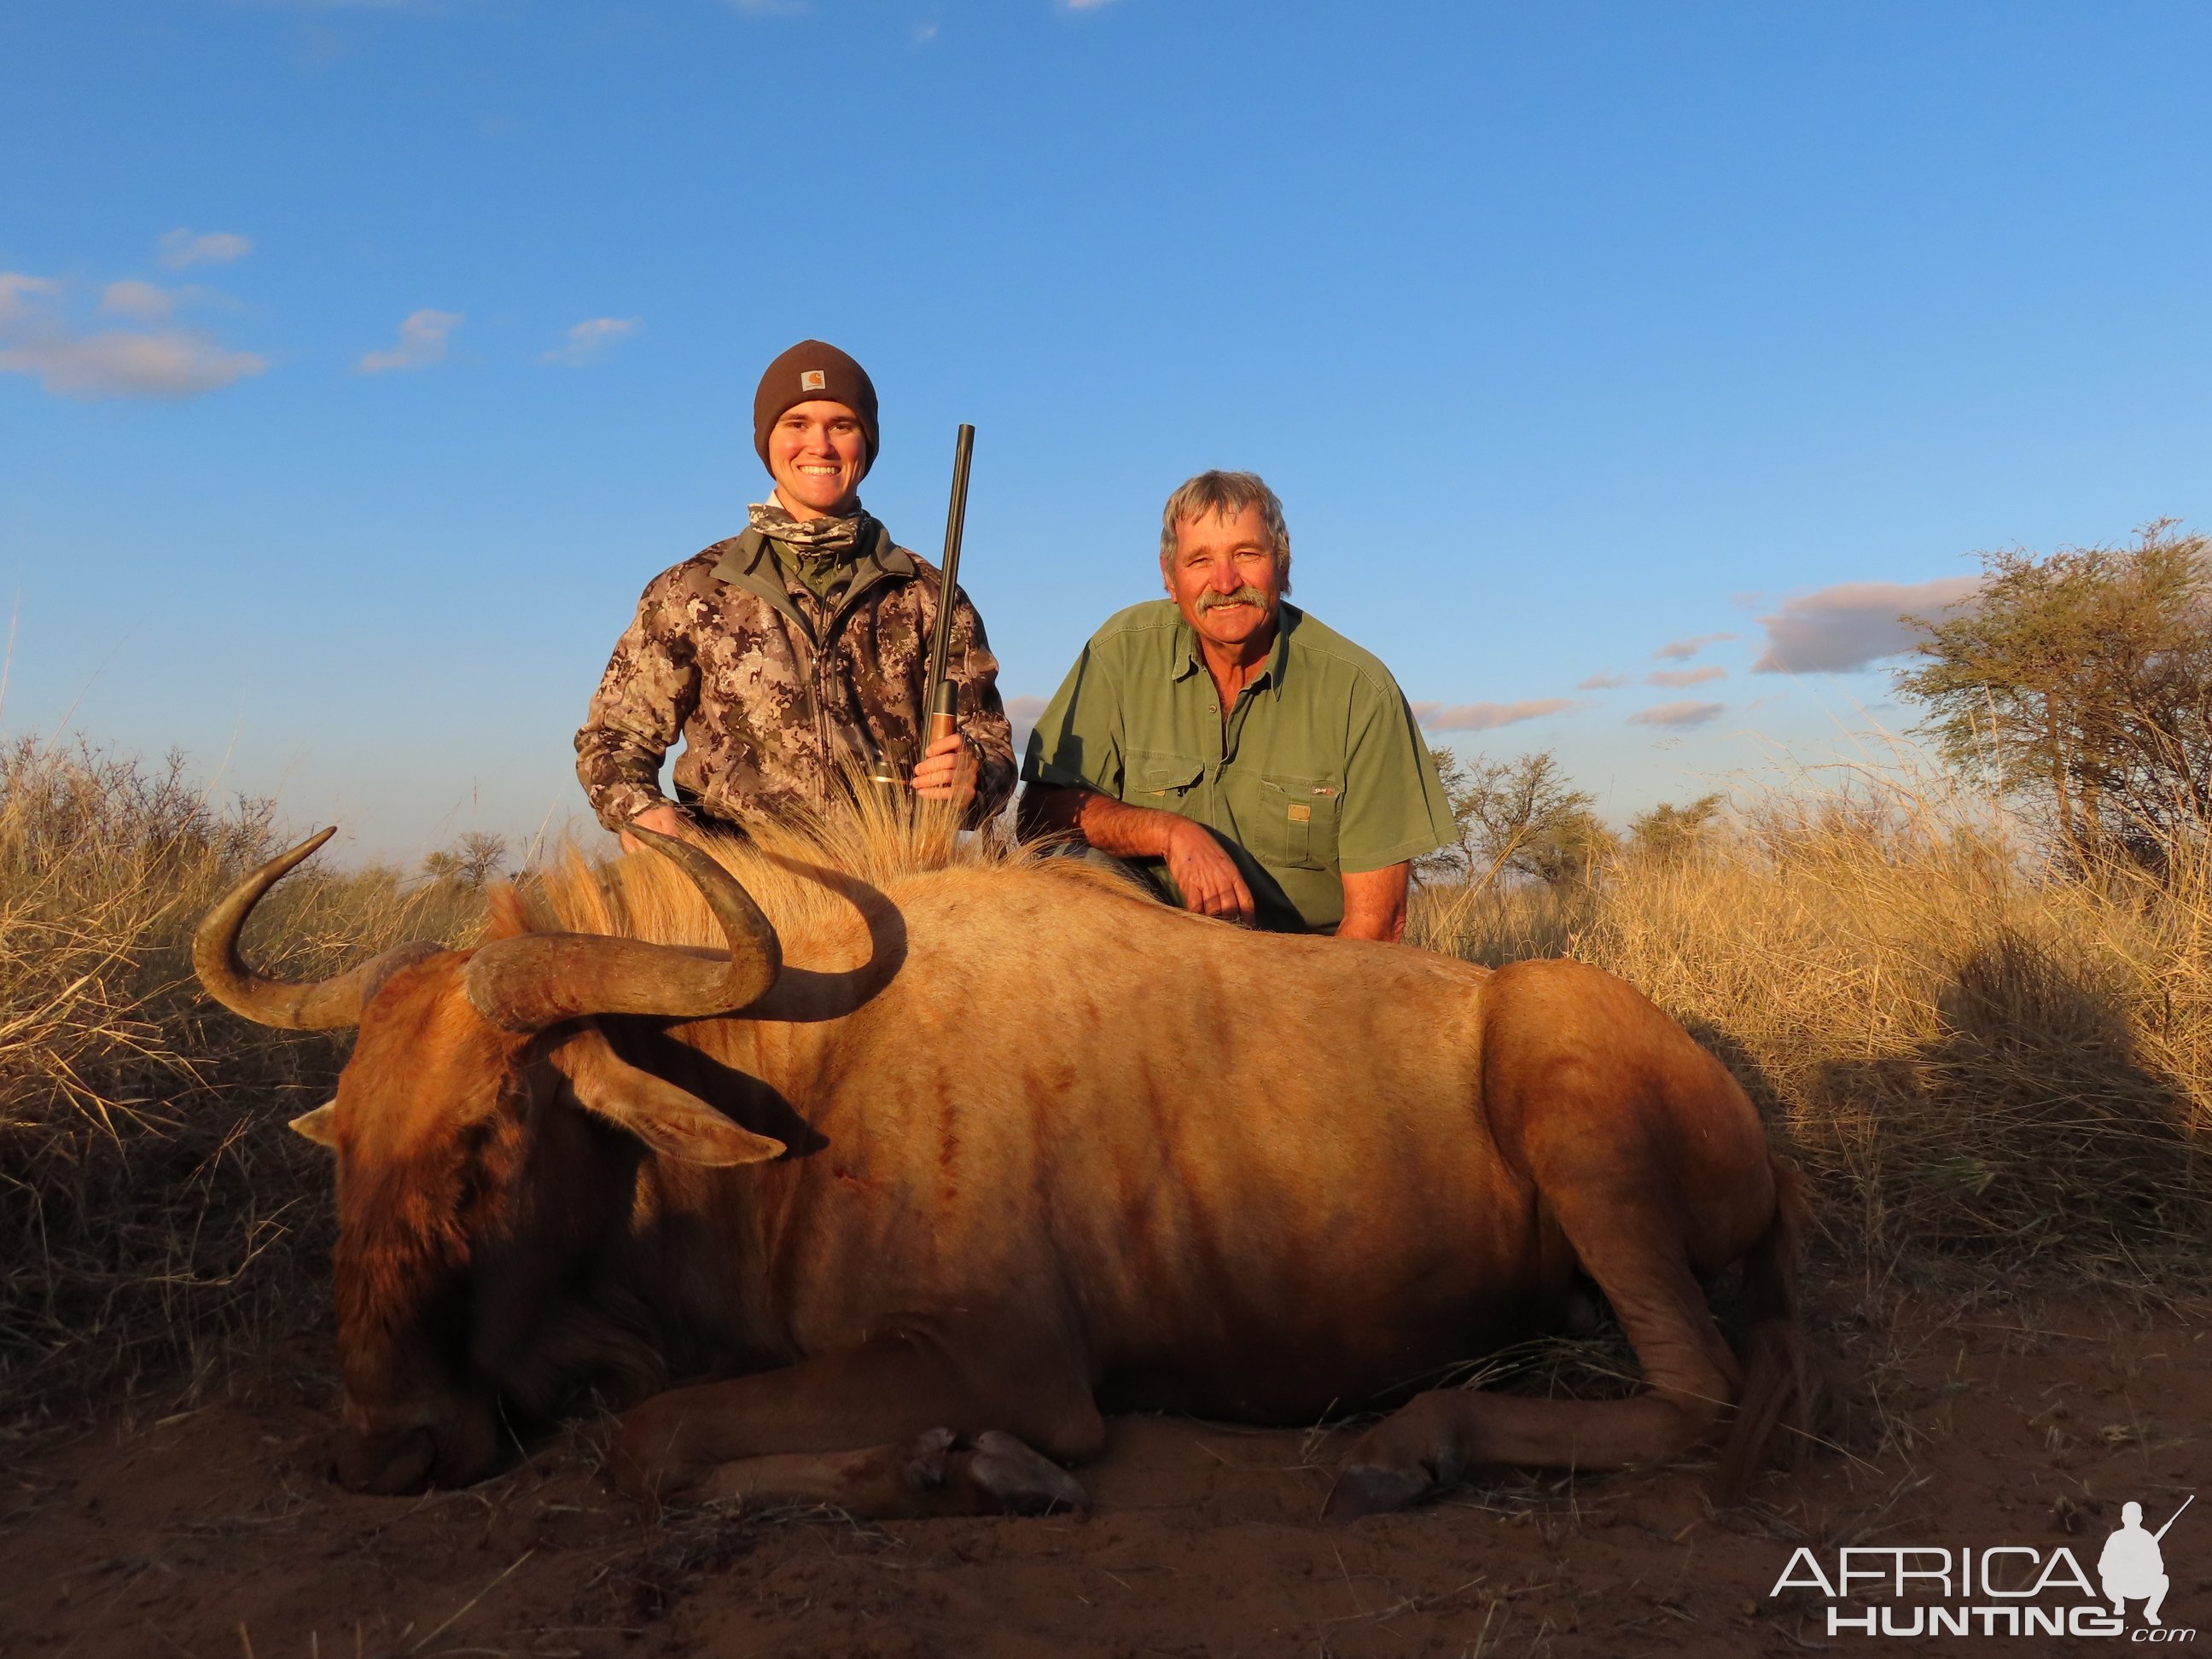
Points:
[(1994, 1071), (154, 1218), (1982, 1061)]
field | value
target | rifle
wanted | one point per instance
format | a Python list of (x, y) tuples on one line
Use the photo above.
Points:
[(2175, 1516), (943, 695)]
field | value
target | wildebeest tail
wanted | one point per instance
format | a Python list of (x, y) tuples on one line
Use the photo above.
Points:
[(1780, 1383)]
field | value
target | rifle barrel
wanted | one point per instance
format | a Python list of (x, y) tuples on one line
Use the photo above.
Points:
[(944, 697), (2175, 1516)]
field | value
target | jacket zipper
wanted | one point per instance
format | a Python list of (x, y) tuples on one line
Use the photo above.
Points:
[(822, 712)]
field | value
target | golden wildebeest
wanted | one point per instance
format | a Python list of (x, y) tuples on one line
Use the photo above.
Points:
[(1007, 1146)]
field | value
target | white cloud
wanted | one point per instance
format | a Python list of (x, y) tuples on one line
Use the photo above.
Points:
[(142, 300), (176, 363), (13, 285), (1851, 625), (1601, 682), (924, 33), (181, 247), (35, 339), (1678, 713), (587, 340), (421, 342), (1679, 677), (1486, 716), (1683, 650)]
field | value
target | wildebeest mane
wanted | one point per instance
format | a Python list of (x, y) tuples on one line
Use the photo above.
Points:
[(802, 870)]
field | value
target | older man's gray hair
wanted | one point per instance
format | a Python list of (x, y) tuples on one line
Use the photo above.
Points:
[(1227, 494)]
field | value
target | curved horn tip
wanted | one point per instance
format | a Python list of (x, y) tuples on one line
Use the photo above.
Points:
[(313, 843), (530, 980), (718, 886), (285, 862), (327, 1006)]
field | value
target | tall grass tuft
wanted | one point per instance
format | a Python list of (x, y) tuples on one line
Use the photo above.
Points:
[(154, 1219), (1983, 1056)]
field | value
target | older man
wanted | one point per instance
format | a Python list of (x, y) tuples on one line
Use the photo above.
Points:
[(790, 659), (1251, 762)]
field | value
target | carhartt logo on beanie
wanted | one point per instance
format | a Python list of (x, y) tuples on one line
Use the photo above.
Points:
[(813, 369)]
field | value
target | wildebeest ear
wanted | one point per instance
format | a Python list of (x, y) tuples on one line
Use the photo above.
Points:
[(673, 1122), (320, 1125)]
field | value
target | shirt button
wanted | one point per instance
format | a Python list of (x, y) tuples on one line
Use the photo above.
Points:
[(1213, 708)]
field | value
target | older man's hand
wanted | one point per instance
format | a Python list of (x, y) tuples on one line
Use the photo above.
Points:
[(947, 771), (1205, 875)]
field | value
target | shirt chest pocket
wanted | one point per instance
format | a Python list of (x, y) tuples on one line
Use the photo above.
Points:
[(1153, 777), (1298, 821)]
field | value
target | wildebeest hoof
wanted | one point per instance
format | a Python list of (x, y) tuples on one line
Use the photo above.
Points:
[(922, 1459), (1023, 1481), (1371, 1489)]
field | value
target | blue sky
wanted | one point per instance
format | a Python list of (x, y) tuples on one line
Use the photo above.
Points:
[(1568, 335)]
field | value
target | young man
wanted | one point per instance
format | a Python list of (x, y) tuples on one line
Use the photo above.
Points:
[(1249, 761), (791, 656)]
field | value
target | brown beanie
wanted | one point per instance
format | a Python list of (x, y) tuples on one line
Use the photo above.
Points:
[(810, 370)]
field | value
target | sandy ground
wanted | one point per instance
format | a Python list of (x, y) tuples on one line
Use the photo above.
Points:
[(215, 1532)]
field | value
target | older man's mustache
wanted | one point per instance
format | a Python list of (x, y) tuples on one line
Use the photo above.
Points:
[(1247, 595)]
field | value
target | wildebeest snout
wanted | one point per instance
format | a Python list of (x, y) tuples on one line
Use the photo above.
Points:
[(461, 1448), (388, 1463)]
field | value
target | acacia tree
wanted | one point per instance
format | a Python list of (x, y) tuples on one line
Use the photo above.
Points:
[(1668, 832), (2083, 681), (472, 862), (1520, 815)]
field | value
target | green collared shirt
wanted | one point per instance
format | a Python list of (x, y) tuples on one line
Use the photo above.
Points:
[(1319, 767)]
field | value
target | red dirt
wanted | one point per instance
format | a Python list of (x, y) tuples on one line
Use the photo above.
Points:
[(214, 1533)]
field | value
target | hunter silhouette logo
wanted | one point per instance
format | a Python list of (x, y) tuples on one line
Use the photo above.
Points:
[(2132, 1567), (1996, 1590)]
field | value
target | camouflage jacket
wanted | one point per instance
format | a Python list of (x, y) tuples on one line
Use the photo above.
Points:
[(777, 695)]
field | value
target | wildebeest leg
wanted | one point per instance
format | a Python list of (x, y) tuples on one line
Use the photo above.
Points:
[(1630, 1234), (895, 1425), (1430, 1444)]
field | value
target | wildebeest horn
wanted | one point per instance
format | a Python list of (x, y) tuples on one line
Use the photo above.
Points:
[(535, 980), (324, 1005)]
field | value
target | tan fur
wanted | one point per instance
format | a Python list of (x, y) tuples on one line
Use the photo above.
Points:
[(1055, 1147)]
